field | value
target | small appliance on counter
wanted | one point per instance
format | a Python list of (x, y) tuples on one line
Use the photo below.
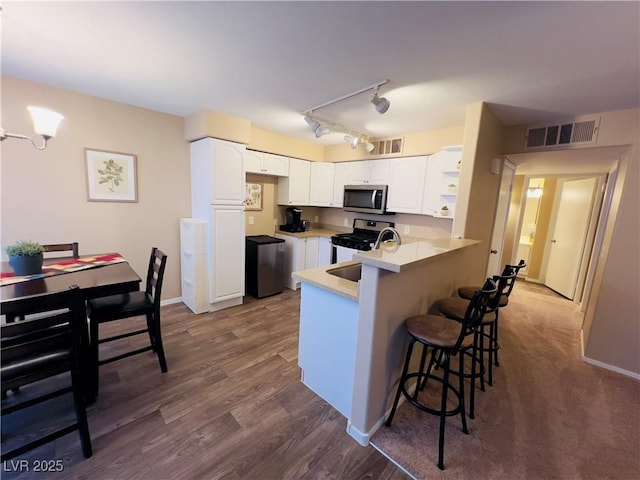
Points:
[(293, 222)]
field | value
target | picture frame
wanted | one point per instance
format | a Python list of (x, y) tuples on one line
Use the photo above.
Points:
[(111, 176), (253, 196)]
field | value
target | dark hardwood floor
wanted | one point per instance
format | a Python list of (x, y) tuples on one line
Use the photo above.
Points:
[(231, 406)]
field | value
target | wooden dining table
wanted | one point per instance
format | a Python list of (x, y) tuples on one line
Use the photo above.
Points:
[(93, 282)]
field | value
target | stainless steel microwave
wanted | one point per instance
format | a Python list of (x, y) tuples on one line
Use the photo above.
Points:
[(365, 198)]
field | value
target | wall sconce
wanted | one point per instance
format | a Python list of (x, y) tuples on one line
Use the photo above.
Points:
[(45, 124)]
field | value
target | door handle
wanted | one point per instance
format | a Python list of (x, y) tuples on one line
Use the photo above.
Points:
[(493, 252), (553, 241)]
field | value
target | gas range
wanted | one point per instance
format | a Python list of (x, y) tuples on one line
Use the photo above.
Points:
[(364, 235)]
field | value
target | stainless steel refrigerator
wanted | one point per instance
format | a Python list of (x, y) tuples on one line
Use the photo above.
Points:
[(264, 265)]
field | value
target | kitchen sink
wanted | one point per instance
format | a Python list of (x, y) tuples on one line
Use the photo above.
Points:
[(348, 272)]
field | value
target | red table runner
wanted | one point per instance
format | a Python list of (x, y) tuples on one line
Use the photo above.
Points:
[(64, 266)]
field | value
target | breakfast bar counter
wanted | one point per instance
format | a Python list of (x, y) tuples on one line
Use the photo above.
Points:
[(352, 335)]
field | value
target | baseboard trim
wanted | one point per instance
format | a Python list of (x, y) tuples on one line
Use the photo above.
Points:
[(606, 366), (364, 438), (170, 301), (613, 368)]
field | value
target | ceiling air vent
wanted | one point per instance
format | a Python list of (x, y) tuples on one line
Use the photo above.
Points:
[(390, 146), (583, 132)]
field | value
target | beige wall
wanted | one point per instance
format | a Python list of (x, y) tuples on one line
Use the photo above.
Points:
[(44, 195), (611, 329), (478, 187), (271, 142)]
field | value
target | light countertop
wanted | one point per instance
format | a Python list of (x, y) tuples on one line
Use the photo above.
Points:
[(398, 258), (314, 232), (320, 278), (388, 257)]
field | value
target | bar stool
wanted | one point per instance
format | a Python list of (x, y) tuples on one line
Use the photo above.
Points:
[(454, 308), (467, 292), (446, 338)]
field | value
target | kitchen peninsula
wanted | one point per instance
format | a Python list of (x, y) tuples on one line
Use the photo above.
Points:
[(352, 335)]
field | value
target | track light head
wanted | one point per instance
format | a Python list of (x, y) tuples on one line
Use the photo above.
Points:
[(381, 103), (352, 140), (368, 146), (313, 124), (323, 129)]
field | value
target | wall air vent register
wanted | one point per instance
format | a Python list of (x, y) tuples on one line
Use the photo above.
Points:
[(390, 146), (581, 132)]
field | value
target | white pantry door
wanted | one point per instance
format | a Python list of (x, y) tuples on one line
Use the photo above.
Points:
[(569, 235)]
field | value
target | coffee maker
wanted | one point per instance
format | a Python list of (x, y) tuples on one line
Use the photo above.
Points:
[(293, 222)]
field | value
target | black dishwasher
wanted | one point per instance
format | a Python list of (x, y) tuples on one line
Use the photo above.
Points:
[(264, 265)]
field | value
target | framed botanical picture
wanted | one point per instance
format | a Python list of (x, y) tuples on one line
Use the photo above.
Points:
[(253, 197), (111, 176)]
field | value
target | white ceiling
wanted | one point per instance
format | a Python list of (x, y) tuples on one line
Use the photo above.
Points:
[(270, 61)]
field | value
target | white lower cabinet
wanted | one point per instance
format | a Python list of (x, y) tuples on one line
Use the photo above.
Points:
[(324, 251), (227, 247), (327, 345), (303, 254)]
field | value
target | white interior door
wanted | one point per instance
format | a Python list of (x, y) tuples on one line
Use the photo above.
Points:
[(502, 216), (569, 235)]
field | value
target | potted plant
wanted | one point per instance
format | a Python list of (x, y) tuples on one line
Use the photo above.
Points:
[(444, 211), (452, 187), (25, 257)]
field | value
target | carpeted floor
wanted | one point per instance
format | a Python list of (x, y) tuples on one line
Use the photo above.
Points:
[(549, 415)]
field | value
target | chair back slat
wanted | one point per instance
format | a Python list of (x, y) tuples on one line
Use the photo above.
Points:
[(504, 284), (64, 328), (63, 247), (476, 309), (155, 275)]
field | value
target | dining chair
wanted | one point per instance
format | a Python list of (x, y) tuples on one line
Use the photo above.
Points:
[(35, 350), (63, 247), (125, 306)]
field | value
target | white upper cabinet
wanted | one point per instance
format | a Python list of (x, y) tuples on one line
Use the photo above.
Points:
[(276, 165), (340, 177), (217, 175), (374, 172), (266, 163), (321, 184), (294, 189), (441, 188), (406, 184)]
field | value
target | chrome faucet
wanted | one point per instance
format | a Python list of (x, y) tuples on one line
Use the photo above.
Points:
[(395, 233)]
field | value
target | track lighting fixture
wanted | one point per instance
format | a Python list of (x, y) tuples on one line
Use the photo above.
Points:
[(352, 140), (368, 146), (381, 103), (45, 124), (319, 128), (323, 129), (313, 124)]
